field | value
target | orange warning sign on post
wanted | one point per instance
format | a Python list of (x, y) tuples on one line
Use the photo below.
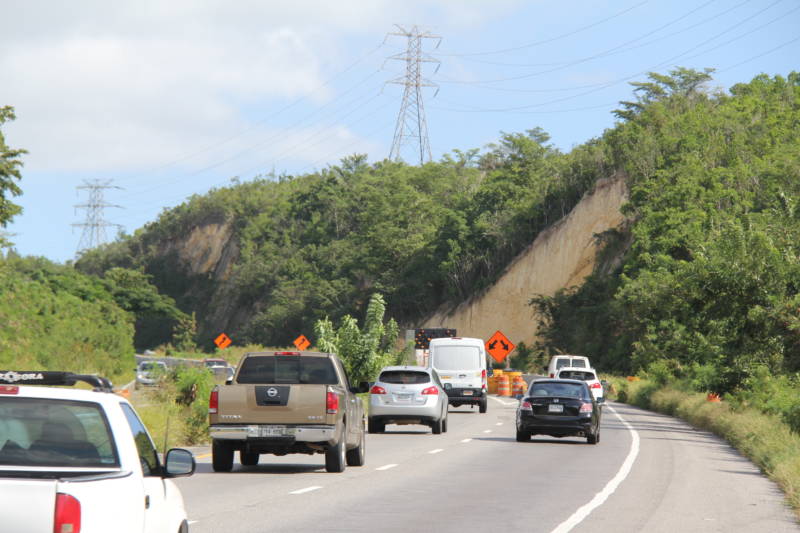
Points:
[(302, 342), (222, 341), (499, 346)]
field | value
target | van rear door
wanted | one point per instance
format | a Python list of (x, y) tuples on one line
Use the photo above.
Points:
[(459, 365)]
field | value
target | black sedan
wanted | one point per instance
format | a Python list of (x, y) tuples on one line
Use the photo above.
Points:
[(559, 408)]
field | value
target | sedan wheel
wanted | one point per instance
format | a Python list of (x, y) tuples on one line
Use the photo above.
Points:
[(523, 436)]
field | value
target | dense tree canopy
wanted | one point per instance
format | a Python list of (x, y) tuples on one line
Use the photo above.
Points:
[(9, 172)]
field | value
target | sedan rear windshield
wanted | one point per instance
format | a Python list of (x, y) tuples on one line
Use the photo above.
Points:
[(560, 390), (405, 377), (291, 369), (577, 374), (51, 432)]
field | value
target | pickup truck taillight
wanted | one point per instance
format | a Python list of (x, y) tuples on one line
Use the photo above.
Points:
[(213, 402), (68, 514), (332, 403)]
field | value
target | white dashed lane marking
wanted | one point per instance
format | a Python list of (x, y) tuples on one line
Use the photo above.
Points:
[(437, 450), (487, 430), (307, 489), (466, 440), (386, 467)]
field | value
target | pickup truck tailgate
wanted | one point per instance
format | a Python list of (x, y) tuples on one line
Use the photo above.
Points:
[(38, 499), (272, 404)]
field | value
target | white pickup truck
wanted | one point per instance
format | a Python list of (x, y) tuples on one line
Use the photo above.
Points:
[(81, 461)]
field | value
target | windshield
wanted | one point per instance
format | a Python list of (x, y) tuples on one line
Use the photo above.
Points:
[(561, 390), (150, 367), (456, 358), (52, 432), (406, 377), (291, 369), (577, 374)]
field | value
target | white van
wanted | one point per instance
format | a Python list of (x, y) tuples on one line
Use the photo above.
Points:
[(560, 361), (461, 365)]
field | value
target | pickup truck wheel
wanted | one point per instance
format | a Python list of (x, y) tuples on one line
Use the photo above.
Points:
[(335, 456), (221, 456), (483, 405), (248, 458), (355, 457), (437, 427)]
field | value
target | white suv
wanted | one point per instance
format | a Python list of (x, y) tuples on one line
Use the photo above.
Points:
[(81, 460), (584, 374)]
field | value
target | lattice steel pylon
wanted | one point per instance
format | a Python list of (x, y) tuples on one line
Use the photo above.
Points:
[(411, 126), (94, 227)]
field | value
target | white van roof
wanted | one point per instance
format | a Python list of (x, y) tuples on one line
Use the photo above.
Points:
[(466, 341)]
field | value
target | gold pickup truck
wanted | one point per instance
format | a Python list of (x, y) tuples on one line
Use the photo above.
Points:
[(287, 402)]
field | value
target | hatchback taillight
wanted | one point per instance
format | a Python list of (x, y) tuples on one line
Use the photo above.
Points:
[(526, 406), (68, 514), (431, 390), (332, 403), (377, 389), (586, 407), (213, 402), (595, 386)]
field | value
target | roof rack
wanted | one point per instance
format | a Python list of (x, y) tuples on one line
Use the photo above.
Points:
[(41, 377)]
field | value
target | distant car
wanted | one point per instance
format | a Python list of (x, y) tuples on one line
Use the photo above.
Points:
[(407, 395), (81, 460), (584, 374), (558, 408), (214, 363), (150, 373), (560, 361)]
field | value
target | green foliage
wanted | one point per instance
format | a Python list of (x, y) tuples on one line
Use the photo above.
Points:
[(193, 387), (184, 334), (364, 351), (9, 173)]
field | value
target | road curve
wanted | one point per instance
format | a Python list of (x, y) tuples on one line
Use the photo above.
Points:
[(476, 476)]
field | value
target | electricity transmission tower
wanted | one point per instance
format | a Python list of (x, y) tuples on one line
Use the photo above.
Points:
[(411, 128), (94, 226)]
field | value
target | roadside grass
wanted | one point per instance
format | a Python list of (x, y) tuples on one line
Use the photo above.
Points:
[(763, 438)]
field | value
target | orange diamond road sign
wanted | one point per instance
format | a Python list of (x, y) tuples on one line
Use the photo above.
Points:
[(499, 346), (222, 341), (302, 342)]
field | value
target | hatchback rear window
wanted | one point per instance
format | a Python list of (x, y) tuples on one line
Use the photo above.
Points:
[(560, 390), (52, 432), (405, 377), (577, 374), (291, 369)]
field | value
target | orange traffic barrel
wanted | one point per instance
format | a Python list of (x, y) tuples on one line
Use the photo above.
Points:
[(492, 381), (518, 387), (503, 386)]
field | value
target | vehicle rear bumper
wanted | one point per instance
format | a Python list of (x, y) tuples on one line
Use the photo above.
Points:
[(550, 425), (296, 433), (457, 396), (377, 410)]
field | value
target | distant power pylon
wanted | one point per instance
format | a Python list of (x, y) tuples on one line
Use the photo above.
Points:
[(411, 127), (94, 227)]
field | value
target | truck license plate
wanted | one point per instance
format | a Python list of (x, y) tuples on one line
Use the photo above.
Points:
[(555, 408), (467, 393), (272, 431)]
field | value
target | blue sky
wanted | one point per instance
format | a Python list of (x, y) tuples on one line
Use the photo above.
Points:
[(170, 99)]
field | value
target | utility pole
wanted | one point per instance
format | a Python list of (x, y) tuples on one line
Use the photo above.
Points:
[(94, 226), (411, 127)]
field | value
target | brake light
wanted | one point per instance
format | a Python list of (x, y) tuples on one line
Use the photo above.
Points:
[(377, 389), (9, 389), (431, 390), (483, 374), (595, 386), (287, 353), (68, 514), (526, 406), (552, 375), (586, 407), (332, 403), (213, 402)]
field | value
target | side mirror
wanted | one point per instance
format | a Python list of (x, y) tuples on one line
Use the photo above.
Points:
[(179, 462)]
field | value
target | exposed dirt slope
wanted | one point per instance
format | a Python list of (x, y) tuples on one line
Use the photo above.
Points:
[(561, 256)]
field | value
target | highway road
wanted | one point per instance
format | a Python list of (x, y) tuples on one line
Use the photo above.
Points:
[(648, 473)]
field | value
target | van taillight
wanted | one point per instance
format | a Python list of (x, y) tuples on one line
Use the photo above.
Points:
[(68, 514), (377, 389), (483, 374), (332, 403), (213, 402), (430, 390)]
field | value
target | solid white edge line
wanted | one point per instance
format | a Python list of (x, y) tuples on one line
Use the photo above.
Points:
[(386, 467), (437, 450), (307, 489), (466, 440), (600, 498)]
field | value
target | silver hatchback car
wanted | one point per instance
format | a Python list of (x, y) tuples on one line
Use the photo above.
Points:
[(407, 395)]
